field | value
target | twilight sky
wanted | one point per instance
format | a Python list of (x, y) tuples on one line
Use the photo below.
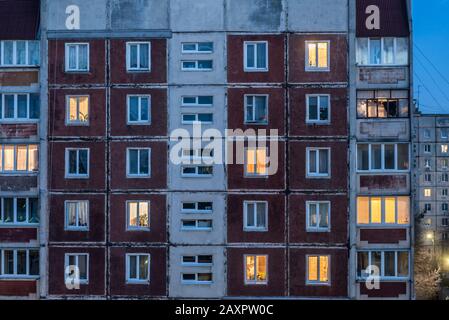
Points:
[(431, 36)]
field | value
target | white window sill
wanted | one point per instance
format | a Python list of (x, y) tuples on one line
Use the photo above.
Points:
[(186, 282)]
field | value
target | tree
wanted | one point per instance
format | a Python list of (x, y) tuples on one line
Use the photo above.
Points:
[(427, 275)]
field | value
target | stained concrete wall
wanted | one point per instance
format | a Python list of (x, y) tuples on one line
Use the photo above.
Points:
[(198, 15)]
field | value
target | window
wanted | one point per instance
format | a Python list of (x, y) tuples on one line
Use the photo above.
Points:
[(391, 264), (256, 56), (138, 56), (318, 109), (197, 101), (196, 65), (18, 158), (197, 171), (197, 47), (318, 216), (138, 162), (77, 215), (318, 162), (138, 215), (19, 107), (382, 51), (427, 207), (427, 148), (190, 118), (77, 110), (78, 262), (317, 55), (383, 157), (445, 222), (19, 211), (256, 269), (197, 207), (77, 57), (383, 210), (77, 163), (204, 154), (318, 270), (444, 133), (445, 177), (444, 148), (428, 177), (19, 263), (444, 163), (427, 164), (256, 109), (197, 261), (137, 268), (255, 216), (19, 53), (444, 192), (197, 278), (139, 110), (382, 104), (256, 162), (427, 133), (427, 193), (196, 225)]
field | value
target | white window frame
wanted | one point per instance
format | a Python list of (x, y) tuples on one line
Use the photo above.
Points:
[(382, 63), (196, 51), (128, 270), (255, 282), (67, 164), (444, 133), (427, 148), (196, 281), (197, 65), (318, 96), (14, 57), (317, 228), (67, 57), (196, 210), (255, 175), (197, 227), (128, 216), (383, 158), (196, 263), (128, 56), (245, 216), (329, 270), (69, 122), (383, 211), (15, 275), (317, 163), (196, 118), (128, 163), (28, 212), (77, 255), (16, 118), (245, 55), (253, 98), (16, 171), (196, 174), (66, 216), (197, 103), (139, 106), (317, 68), (382, 263)]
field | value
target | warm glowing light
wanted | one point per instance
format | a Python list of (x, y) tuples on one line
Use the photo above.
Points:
[(429, 236)]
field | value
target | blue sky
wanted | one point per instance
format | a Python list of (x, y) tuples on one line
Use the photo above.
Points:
[(431, 36)]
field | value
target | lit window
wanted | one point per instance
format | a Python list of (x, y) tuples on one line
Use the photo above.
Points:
[(256, 56), (197, 101), (138, 162), (18, 158), (444, 148), (318, 109), (318, 216), (318, 269), (389, 264), (138, 215), (255, 215), (138, 56), (256, 162), (77, 163), (318, 162), (19, 107), (77, 215), (382, 51), (256, 269), (77, 264), (383, 157), (19, 53), (77, 57), (19, 211), (78, 110), (139, 109), (317, 55), (196, 65), (137, 268), (197, 47), (382, 104), (427, 193), (383, 210), (19, 263), (256, 109)]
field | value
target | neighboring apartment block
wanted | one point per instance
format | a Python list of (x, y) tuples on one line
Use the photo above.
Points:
[(116, 86)]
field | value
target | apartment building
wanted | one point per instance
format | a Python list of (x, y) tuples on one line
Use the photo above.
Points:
[(380, 225), (431, 161), (120, 77)]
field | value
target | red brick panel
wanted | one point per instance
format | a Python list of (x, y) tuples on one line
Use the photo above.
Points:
[(56, 63), (386, 290), (276, 219), (236, 273), (338, 125), (119, 113), (18, 183), (158, 280), (96, 218), (276, 65), (16, 235), (383, 182), (298, 220), (157, 232), (338, 53), (17, 288), (58, 113), (56, 278), (18, 130), (383, 236), (338, 273), (158, 72)]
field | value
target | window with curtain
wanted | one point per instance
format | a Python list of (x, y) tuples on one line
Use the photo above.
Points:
[(77, 215), (256, 109), (256, 56), (138, 56)]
